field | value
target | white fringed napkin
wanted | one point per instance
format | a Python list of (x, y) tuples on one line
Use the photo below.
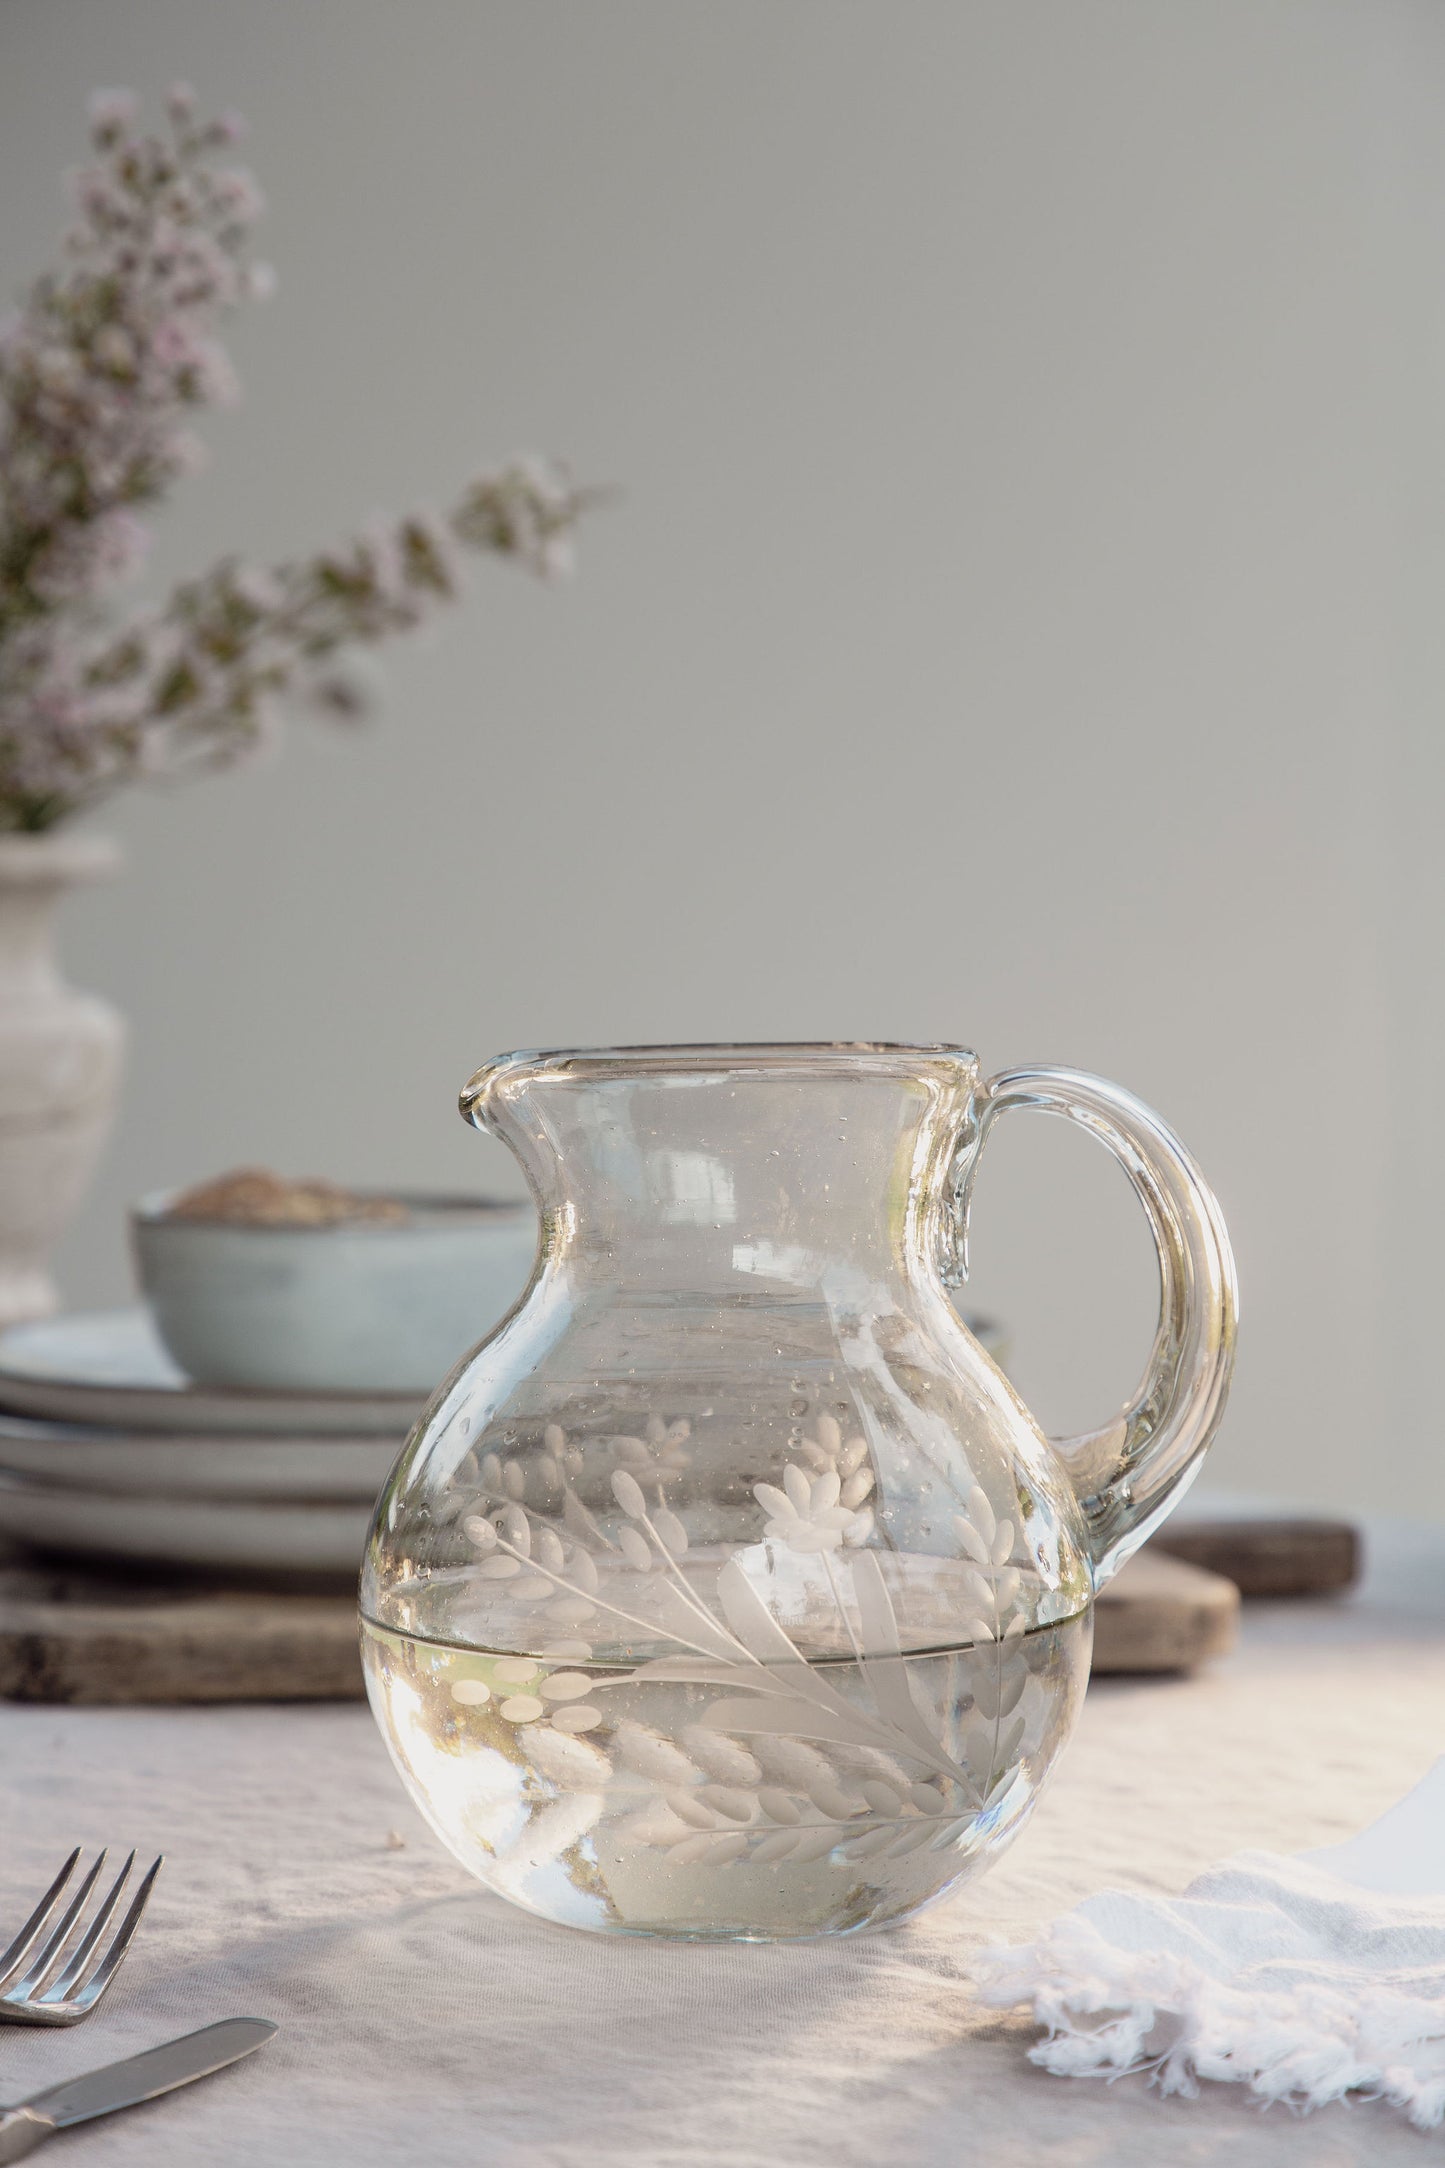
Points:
[(1304, 1977)]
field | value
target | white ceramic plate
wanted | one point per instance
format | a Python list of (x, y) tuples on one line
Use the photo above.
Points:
[(173, 1464), (107, 1366), (214, 1535)]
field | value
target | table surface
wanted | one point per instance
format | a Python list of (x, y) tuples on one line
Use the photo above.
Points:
[(425, 2021)]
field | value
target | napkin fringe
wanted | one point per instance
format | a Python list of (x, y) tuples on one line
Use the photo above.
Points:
[(1114, 2013)]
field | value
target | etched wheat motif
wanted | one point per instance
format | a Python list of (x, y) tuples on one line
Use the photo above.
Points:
[(781, 1765)]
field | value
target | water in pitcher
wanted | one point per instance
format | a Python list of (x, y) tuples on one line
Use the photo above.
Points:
[(730, 1790)]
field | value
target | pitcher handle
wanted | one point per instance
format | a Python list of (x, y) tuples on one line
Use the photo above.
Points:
[(1129, 1473)]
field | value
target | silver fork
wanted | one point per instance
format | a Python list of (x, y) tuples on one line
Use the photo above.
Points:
[(45, 1977)]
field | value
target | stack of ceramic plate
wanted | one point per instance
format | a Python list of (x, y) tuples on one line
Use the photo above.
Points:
[(108, 1452)]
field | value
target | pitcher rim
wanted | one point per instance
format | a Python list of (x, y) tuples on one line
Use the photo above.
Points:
[(780, 1059), (883, 1056)]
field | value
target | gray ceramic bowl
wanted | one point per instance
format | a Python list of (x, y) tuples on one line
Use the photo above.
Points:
[(365, 1306)]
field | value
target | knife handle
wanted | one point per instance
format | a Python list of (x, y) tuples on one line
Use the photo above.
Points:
[(21, 2131)]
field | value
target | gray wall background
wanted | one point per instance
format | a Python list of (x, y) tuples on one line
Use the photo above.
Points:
[(1019, 625)]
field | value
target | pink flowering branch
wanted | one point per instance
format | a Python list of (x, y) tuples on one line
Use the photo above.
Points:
[(98, 376)]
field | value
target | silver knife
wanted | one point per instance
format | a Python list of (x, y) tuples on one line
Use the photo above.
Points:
[(122, 2085)]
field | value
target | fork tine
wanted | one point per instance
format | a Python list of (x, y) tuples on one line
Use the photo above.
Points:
[(55, 1945), (79, 1961), (90, 1993), (12, 1959)]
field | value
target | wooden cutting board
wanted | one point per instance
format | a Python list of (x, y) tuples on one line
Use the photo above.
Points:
[(1159, 1614), (70, 1636), (1271, 1555)]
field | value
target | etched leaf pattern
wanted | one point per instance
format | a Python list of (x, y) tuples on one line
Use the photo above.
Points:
[(782, 1765)]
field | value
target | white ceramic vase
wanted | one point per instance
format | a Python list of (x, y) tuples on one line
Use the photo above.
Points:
[(60, 1064)]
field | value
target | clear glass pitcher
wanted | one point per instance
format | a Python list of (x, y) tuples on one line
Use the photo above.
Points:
[(728, 1589)]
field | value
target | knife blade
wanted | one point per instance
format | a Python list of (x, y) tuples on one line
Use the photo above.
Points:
[(157, 2070)]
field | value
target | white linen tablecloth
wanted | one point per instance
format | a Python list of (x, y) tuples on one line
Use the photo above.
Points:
[(424, 2022)]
